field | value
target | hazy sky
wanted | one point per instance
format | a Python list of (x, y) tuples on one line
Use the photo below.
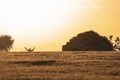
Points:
[(48, 24)]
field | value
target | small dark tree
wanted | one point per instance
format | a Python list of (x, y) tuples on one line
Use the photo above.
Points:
[(6, 42), (117, 44)]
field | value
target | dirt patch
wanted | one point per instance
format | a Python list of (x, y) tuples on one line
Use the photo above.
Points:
[(49, 62)]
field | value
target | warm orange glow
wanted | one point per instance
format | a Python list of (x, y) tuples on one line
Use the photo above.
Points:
[(47, 23)]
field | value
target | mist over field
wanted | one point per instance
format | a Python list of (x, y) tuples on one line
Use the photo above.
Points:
[(71, 65)]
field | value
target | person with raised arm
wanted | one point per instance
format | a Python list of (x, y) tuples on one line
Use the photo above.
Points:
[(29, 49)]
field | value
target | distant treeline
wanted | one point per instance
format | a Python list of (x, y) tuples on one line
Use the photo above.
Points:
[(91, 41), (86, 41)]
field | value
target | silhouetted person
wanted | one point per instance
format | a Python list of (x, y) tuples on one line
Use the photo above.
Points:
[(29, 49)]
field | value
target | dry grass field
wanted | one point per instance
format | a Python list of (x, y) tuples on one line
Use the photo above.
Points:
[(82, 65)]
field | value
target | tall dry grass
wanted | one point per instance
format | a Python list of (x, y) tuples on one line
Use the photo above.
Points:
[(82, 65)]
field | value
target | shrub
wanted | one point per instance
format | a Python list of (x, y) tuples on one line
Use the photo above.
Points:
[(88, 41), (6, 42)]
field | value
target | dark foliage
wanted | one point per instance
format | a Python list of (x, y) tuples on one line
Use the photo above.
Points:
[(6, 42), (117, 43), (88, 41)]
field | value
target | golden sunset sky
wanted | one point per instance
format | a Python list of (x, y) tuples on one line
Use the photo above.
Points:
[(49, 24)]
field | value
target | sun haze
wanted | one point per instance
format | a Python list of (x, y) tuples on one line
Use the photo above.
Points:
[(48, 24)]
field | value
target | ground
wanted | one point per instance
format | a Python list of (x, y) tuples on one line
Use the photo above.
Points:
[(83, 65)]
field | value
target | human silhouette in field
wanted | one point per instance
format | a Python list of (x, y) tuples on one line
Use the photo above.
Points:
[(30, 49)]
